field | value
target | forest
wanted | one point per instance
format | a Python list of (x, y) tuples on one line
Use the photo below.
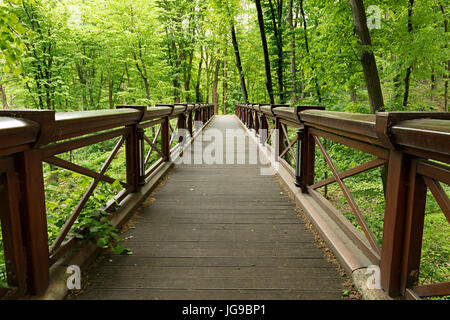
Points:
[(94, 54), (347, 55)]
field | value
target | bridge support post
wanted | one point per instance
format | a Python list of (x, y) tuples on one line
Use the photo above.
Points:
[(394, 222), (31, 205), (141, 154), (165, 139), (34, 219), (263, 134), (15, 262), (181, 130), (414, 223), (132, 147), (197, 119), (256, 121), (279, 138), (307, 157), (189, 124), (298, 171)]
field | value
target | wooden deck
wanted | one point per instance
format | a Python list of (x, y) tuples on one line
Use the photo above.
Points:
[(217, 232)]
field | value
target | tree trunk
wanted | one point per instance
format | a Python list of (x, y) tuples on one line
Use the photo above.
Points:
[(266, 52), (225, 83), (292, 25), (238, 64), (279, 42), (188, 76), (353, 95), (215, 87), (208, 76), (3, 95), (319, 96), (448, 64), (198, 96), (409, 69), (367, 57), (110, 83)]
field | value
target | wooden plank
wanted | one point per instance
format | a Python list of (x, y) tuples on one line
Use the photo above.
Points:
[(241, 294), (433, 290), (221, 230)]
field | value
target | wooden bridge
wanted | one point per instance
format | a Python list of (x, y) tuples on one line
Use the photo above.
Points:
[(221, 228)]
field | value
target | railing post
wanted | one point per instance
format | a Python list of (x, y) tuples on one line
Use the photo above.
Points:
[(33, 214), (298, 171), (165, 139), (263, 129), (34, 219), (415, 216), (14, 254), (308, 156), (256, 122), (181, 129), (197, 119), (141, 154), (246, 116), (135, 151), (279, 143), (189, 124), (132, 150), (394, 222)]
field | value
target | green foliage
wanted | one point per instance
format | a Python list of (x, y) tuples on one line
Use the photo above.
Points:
[(11, 31)]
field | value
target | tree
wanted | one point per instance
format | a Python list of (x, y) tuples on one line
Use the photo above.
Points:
[(265, 51), (367, 57), (239, 64)]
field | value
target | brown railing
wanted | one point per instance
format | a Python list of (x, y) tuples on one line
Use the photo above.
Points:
[(30, 137), (415, 148)]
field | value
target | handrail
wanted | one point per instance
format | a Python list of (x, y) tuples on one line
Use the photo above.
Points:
[(403, 141), (30, 137), (16, 133)]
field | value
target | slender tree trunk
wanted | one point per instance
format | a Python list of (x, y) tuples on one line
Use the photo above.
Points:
[(433, 85), (141, 67), (225, 82), (215, 87), (110, 82), (369, 67), (319, 96), (292, 25), (353, 95), (367, 57), (266, 52), (188, 76), (279, 42), (208, 76), (99, 95), (239, 64), (3, 95), (198, 95), (448, 63), (409, 69)]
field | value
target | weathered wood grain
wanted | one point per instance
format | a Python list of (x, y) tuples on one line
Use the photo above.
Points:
[(221, 233)]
